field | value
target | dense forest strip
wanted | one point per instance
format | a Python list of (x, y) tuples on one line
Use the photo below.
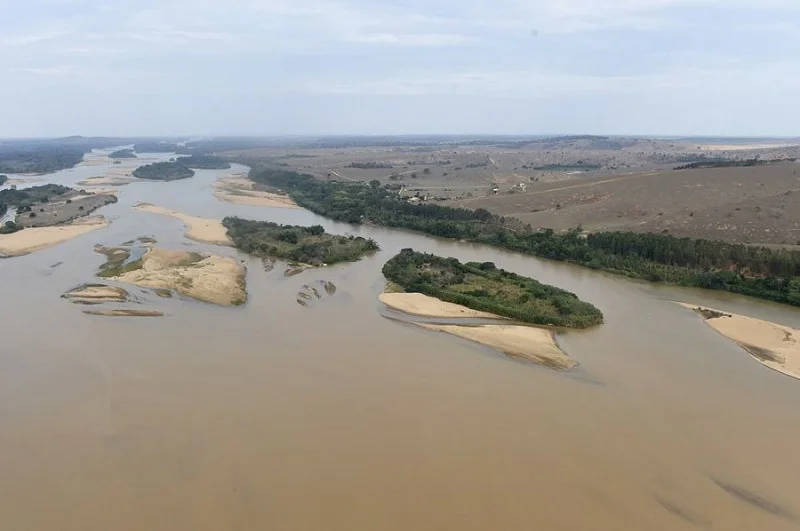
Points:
[(485, 288), (772, 274), (307, 245), (729, 163)]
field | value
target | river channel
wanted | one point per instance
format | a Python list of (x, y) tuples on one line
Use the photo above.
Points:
[(330, 416)]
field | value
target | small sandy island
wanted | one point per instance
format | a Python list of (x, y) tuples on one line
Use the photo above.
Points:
[(36, 238), (200, 229), (528, 343), (425, 306), (243, 191), (774, 345), (96, 294), (106, 180), (205, 277)]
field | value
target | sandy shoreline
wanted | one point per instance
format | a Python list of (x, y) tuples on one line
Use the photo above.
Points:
[(425, 306), (528, 343), (33, 239), (199, 229), (773, 345), (241, 190)]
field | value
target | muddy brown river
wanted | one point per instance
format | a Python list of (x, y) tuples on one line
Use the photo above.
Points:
[(330, 416)]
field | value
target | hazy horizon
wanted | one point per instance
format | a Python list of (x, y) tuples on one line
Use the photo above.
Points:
[(657, 68)]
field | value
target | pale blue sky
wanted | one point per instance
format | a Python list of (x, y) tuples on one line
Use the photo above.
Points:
[(135, 67)]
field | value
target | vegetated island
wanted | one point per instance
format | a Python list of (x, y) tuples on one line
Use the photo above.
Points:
[(163, 171), (445, 288), (773, 345), (199, 229), (772, 274), (47, 215), (304, 245), (205, 277), (122, 154), (485, 288)]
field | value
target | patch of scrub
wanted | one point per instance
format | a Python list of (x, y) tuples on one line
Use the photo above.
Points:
[(205, 277), (773, 345)]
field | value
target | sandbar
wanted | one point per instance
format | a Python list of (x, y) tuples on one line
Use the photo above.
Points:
[(527, 343), (125, 313), (33, 239), (96, 293), (106, 180), (241, 190), (775, 346), (425, 306), (205, 277), (200, 229)]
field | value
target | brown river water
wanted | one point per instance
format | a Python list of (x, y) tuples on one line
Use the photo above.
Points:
[(332, 417)]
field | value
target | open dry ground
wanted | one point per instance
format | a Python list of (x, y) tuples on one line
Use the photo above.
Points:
[(595, 182)]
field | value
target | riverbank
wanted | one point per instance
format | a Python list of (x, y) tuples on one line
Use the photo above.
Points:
[(526, 343), (242, 191), (29, 240), (199, 229), (773, 345)]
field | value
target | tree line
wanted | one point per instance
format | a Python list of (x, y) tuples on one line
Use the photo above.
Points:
[(771, 274)]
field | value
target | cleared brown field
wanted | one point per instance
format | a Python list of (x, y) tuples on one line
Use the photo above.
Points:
[(745, 205)]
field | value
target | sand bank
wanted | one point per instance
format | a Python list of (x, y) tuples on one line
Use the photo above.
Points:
[(106, 180), (200, 229), (773, 345), (241, 190), (96, 293), (425, 306), (209, 278), (520, 342), (34, 239), (125, 313), (528, 343)]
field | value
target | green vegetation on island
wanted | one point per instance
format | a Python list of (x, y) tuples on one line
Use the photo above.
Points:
[(307, 245), (772, 274), (122, 154), (205, 162), (485, 288), (27, 197), (164, 171)]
